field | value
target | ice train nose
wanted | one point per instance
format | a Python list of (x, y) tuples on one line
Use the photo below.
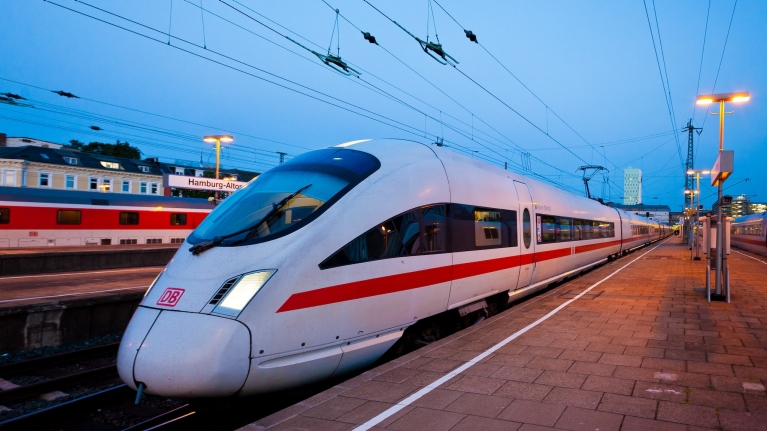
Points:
[(178, 354)]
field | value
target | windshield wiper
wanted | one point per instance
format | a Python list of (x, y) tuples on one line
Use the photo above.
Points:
[(207, 245)]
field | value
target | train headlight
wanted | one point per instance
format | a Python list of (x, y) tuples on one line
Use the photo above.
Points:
[(242, 292)]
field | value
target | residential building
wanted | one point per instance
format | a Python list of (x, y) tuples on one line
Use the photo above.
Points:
[(632, 186), (68, 169), (22, 141), (659, 213)]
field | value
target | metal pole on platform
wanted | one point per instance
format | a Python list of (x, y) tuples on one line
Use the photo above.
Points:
[(719, 221)]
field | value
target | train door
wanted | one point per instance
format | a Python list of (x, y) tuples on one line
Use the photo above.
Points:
[(527, 237)]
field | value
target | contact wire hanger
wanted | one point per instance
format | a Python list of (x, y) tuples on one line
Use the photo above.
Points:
[(434, 49), (334, 61)]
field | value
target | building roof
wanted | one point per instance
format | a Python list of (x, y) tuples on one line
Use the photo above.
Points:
[(93, 161)]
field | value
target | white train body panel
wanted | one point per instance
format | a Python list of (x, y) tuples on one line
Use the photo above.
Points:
[(750, 233), (307, 323)]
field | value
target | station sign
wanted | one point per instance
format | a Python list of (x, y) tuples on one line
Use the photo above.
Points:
[(723, 167), (201, 183)]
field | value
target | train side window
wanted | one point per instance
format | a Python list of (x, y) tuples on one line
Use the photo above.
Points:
[(509, 219), (398, 236), (68, 217), (549, 229), (128, 218), (434, 229), (5, 215), (577, 229), (487, 227), (565, 225), (177, 219)]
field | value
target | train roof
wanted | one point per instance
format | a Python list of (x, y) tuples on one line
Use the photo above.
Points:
[(71, 197), (748, 218)]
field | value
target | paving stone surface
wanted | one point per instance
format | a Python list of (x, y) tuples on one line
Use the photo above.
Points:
[(643, 351)]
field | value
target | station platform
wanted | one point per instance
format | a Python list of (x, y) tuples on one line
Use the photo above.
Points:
[(53, 309), (39, 260), (632, 345), (41, 289)]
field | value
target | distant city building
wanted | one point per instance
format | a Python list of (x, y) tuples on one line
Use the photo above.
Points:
[(675, 217), (741, 206), (67, 169), (632, 186), (659, 213)]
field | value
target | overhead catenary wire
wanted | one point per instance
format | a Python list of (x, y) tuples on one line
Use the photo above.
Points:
[(663, 82), (496, 97), (373, 116), (239, 133), (721, 58), (376, 88), (700, 67), (668, 83), (469, 34)]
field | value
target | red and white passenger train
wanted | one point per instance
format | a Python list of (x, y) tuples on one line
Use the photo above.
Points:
[(42, 217), (318, 266), (750, 233)]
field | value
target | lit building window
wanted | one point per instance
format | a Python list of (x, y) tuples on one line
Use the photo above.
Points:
[(110, 165)]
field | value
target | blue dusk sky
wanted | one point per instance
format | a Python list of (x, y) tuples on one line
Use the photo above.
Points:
[(579, 82)]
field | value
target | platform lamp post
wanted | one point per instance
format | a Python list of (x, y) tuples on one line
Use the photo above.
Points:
[(697, 173), (708, 99), (218, 139)]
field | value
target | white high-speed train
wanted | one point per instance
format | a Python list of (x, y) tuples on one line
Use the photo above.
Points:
[(319, 266)]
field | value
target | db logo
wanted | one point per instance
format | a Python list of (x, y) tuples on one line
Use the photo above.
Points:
[(170, 297)]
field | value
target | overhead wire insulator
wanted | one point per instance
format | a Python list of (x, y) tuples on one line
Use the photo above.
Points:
[(472, 37), (369, 37), (13, 96), (97, 128), (65, 94), (12, 102)]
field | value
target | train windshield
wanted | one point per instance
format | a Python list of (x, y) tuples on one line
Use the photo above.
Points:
[(286, 197)]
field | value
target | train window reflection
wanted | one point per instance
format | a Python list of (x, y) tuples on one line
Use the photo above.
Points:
[(68, 217), (177, 219), (5, 215), (562, 229), (487, 227), (128, 218), (329, 174), (434, 229)]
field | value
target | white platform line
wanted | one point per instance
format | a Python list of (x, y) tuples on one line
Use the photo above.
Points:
[(74, 294), (65, 274), (750, 257), (435, 384)]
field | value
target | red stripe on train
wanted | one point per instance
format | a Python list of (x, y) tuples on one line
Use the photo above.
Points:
[(417, 279), (749, 241)]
